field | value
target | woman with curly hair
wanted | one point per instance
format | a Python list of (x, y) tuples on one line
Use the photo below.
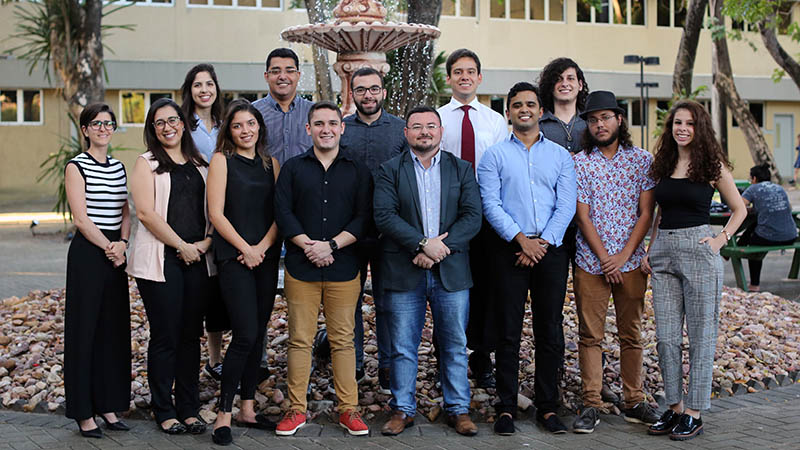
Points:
[(684, 260)]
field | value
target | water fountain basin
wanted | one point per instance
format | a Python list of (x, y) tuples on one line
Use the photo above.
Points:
[(347, 37)]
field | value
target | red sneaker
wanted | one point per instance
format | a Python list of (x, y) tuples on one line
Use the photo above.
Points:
[(351, 421), (290, 423)]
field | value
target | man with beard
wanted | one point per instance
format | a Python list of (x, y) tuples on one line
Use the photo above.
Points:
[(613, 219), (428, 207), (373, 137), (527, 187)]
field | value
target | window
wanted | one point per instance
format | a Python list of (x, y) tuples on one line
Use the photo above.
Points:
[(672, 13), (757, 109), (498, 104), (622, 12), (272, 4), (149, 2), (544, 10), (249, 96), (133, 105), (459, 8), (19, 106)]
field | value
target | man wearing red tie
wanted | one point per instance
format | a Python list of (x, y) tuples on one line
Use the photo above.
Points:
[(470, 128)]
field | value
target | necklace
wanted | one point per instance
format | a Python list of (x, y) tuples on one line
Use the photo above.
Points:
[(568, 130)]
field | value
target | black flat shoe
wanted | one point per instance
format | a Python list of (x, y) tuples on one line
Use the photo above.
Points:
[(665, 424), (262, 423), (176, 428), (485, 380), (552, 424), (196, 427), (95, 432), (504, 425), (687, 428), (222, 436), (115, 426)]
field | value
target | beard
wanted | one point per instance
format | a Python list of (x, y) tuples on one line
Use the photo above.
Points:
[(371, 110), (605, 142), (423, 148)]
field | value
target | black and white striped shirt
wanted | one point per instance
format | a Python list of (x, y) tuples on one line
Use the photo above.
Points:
[(106, 190)]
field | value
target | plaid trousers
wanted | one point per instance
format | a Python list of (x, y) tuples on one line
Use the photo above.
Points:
[(687, 283)]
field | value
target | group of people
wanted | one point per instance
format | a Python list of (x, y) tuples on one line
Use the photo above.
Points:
[(446, 208)]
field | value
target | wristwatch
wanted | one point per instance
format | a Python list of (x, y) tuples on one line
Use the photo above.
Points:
[(334, 245), (421, 245)]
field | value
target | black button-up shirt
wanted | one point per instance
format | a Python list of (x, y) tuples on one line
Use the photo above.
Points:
[(321, 204), (554, 129), (376, 143)]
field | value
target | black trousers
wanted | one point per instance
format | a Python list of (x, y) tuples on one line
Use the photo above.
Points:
[(547, 282), (481, 329), (749, 237), (175, 310), (97, 336), (249, 296)]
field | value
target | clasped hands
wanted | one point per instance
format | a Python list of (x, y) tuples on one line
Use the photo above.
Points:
[(533, 250), (434, 252), (115, 252), (192, 252), (611, 265), (319, 253)]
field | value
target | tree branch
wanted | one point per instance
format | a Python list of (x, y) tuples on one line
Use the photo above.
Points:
[(787, 63)]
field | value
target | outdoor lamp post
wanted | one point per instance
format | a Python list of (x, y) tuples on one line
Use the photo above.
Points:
[(642, 61), (647, 87)]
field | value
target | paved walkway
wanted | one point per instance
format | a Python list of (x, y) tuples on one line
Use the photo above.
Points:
[(764, 420)]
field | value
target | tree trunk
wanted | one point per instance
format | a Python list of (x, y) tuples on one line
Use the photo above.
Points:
[(414, 62), (723, 80), (322, 74), (687, 51), (787, 63), (719, 111)]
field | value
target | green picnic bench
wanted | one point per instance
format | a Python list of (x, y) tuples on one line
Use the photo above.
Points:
[(737, 253)]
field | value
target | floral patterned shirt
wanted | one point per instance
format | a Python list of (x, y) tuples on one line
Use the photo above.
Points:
[(611, 188)]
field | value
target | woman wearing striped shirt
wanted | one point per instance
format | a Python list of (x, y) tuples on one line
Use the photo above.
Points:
[(97, 342)]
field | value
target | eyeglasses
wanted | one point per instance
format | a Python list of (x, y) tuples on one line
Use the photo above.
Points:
[(275, 72), (429, 127), (595, 120), (96, 124), (173, 121), (374, 90)]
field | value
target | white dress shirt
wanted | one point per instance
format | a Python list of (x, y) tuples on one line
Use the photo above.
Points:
[(490, 127)]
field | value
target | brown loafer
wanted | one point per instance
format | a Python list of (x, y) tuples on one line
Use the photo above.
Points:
[(397, 423), (463, 424)]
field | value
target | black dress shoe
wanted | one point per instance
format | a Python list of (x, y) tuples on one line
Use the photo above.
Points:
[(222, 436), (504, 425), (176, 428), (485, 380), (687, 428), (196, 427), (262, 423), (95, 432), (552, 424), (115, 426), (665, 424)]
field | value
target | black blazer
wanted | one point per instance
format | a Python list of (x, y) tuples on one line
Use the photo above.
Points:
[(399, 220)]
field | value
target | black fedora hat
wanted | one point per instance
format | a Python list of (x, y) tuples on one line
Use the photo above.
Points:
[(601, 101)]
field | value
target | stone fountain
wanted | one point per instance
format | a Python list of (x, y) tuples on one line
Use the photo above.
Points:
[(361, 36)]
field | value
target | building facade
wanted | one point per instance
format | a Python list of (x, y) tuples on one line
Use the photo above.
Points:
[(514, 38)]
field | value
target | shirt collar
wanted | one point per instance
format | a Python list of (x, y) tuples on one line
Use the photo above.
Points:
[(309, 154), (620, 149), (455, 104), (383, 118), (274, 103), (514, 139), (434, 161)]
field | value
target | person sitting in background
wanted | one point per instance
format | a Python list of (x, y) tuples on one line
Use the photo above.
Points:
[(774, 226)]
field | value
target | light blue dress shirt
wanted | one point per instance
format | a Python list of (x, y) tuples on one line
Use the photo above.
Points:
[(286, 131), (529, 191), (429, 186), (204, 140)]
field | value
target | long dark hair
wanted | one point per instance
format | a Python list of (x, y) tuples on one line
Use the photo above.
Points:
[(153, 145), (187, 102), (549, 77), (90, 112), (225, 143), (623, 136), (706, 156)]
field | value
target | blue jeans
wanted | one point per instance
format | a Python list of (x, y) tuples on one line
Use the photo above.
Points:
[(371, 254), (406, 311)]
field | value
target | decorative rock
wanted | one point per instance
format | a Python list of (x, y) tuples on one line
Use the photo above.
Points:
[(523, 402), (434, 413)]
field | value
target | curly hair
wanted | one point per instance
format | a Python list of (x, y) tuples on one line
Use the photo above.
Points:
[(706, 155), (549, 77), (623, 136)]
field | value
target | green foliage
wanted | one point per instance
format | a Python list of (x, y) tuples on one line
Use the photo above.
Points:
[(39, 23), (52, 168), (661, 114)]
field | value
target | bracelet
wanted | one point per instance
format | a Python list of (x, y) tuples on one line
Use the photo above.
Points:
[(209, 235), (126, 242), (727, 235)]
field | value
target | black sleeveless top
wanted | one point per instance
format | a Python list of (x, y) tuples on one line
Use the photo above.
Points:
[(186, 209), (683, 203), (249, 207)]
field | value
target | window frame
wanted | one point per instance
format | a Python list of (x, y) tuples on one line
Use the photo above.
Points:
[(168, 4), (20, 121), (457, 8), (234, 5), (507, 13), (147, 103), (628, 17)]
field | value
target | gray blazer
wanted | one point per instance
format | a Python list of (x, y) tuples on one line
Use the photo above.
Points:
[(399, 220)]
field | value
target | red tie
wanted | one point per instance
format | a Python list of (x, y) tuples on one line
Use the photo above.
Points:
[(467, 138)]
